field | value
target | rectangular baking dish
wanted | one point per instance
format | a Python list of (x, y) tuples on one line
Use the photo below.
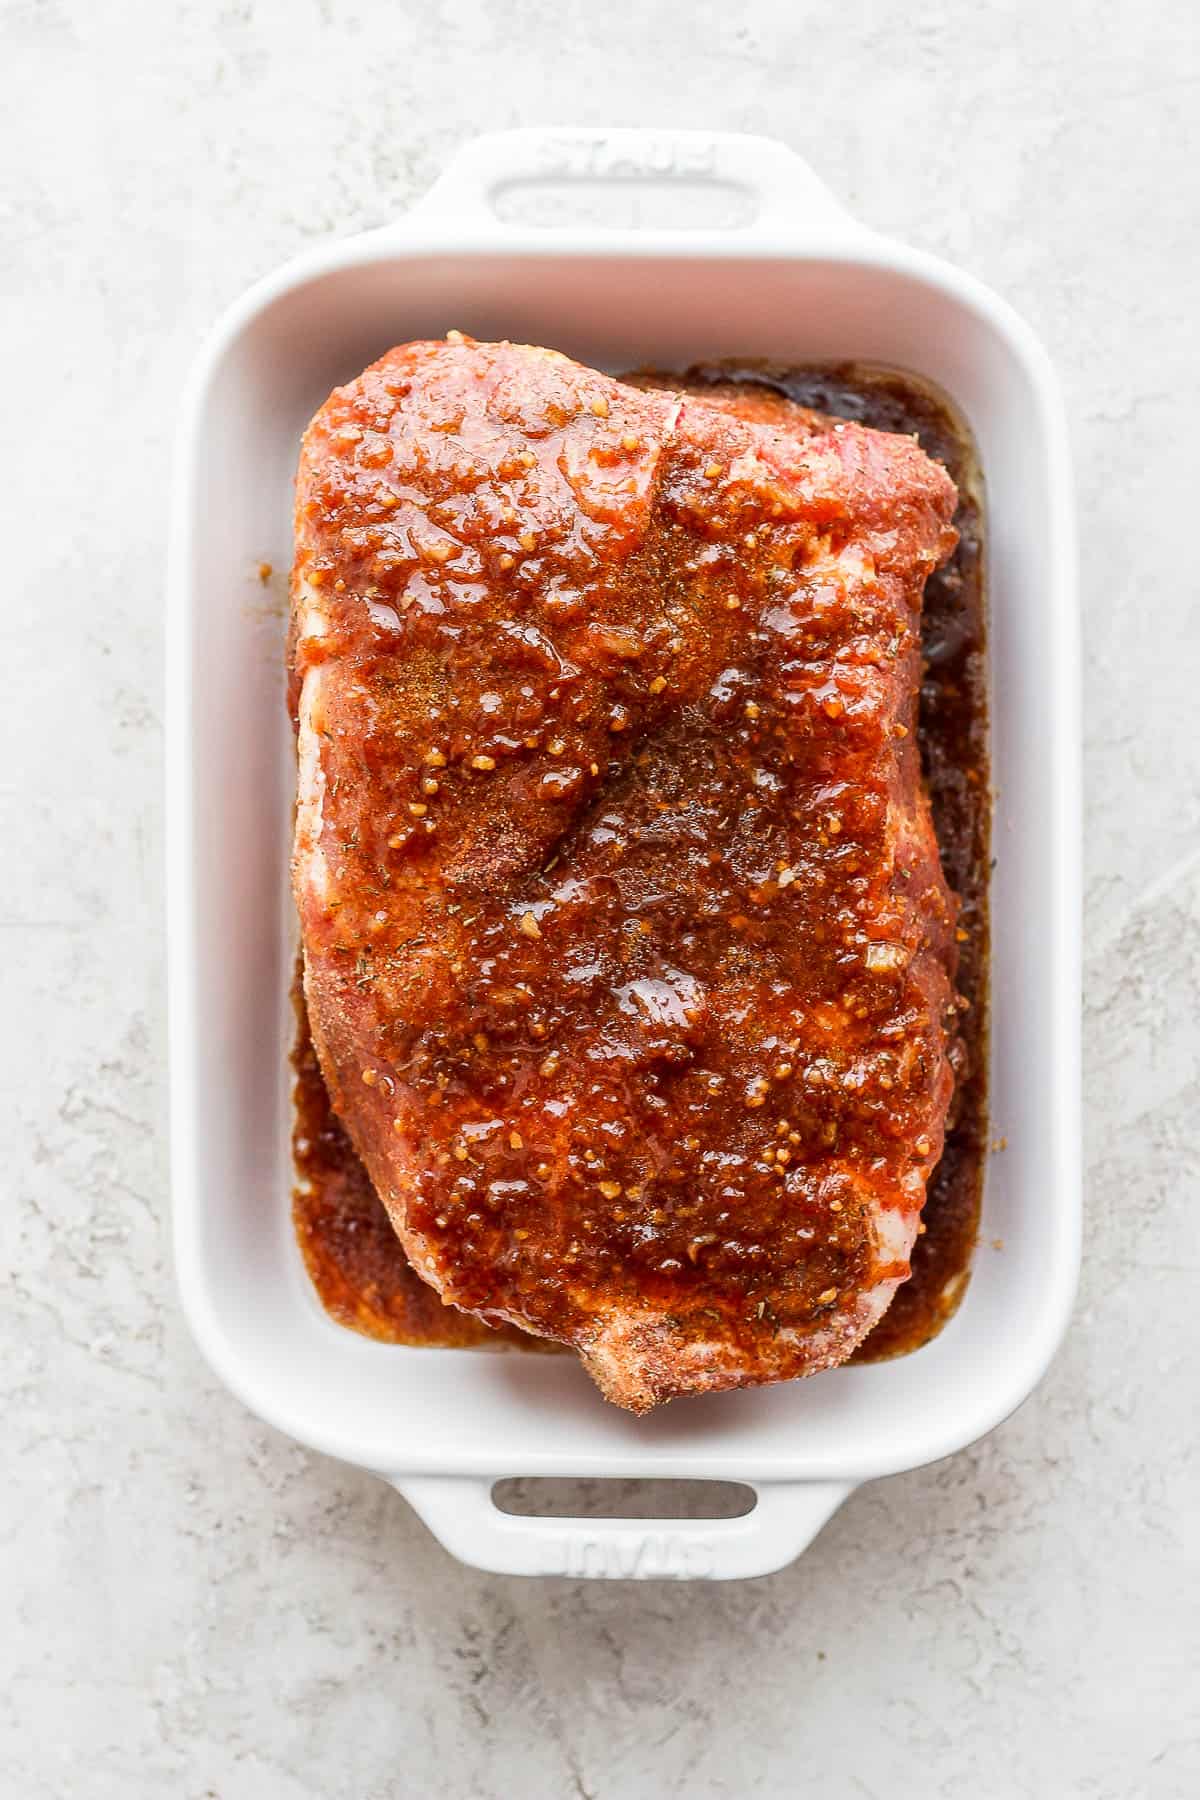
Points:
[(784, 273)]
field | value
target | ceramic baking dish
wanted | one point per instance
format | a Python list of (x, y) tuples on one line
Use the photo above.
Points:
[(750, 256)]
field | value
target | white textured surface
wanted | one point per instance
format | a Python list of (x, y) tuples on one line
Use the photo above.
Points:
[(195, 1607)]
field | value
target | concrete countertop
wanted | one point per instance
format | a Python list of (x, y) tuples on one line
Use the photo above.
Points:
[(196, 1607)]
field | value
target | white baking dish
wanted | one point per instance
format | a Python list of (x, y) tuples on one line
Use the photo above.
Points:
[(790, 277)]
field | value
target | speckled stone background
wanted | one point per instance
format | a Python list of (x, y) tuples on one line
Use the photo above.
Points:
[(194, 1607)]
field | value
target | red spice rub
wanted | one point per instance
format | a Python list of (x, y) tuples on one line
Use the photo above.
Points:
[(628, 953)]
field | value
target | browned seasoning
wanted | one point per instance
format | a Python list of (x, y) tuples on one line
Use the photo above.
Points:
[(352, 1254), (355, 1260)]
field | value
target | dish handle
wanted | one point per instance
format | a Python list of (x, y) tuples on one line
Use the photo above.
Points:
[(463, 1516), (760, 192)]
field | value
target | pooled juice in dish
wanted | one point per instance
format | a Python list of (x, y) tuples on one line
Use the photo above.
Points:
[(353, 1256)]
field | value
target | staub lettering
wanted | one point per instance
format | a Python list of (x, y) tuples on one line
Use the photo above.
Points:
[(649, 1555), (607, 159)]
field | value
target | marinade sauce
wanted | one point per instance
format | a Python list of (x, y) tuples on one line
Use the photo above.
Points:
[(353, 1257)]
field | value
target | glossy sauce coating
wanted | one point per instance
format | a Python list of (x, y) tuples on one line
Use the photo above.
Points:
[(354, 1257), (375, 1290)]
